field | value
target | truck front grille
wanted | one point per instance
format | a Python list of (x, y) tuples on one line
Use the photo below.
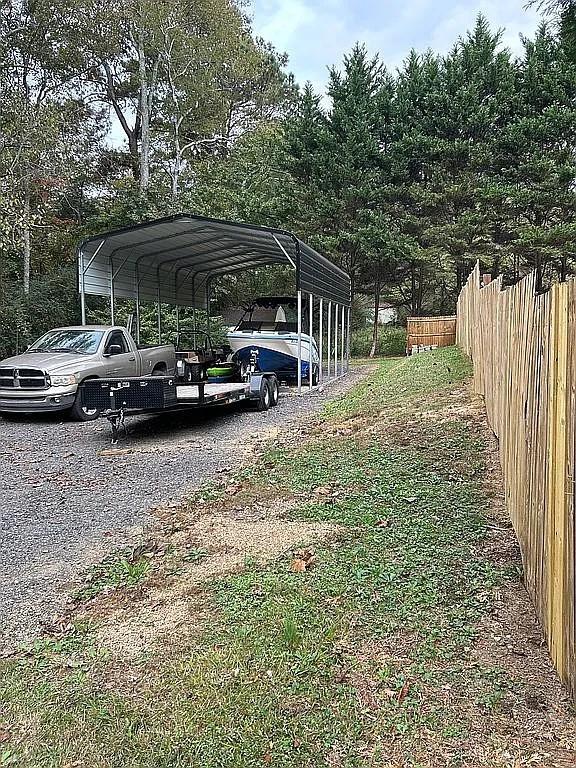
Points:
[(22, 378)]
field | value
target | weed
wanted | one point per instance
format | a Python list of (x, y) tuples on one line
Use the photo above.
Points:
[(117, 570), (195, 555)]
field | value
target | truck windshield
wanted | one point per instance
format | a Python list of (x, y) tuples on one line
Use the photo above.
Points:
[(82, 342)]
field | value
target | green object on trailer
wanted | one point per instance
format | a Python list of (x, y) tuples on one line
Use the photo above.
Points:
[(222, 370)]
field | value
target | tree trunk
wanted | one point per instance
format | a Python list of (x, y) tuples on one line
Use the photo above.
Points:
[(144, 113), (177, 164), (26, 238), (132, 134), (175, 181), (420, 292), (375, 324), (413, 309)]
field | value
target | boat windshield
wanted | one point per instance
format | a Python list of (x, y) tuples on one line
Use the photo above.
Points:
[(278, 319), (80, 342)]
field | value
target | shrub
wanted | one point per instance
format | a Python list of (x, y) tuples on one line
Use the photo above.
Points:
[(391, 342)]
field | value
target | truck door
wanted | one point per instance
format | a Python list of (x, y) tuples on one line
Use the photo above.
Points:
[(121, 361)]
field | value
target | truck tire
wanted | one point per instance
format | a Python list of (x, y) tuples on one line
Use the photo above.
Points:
[(274, 390), (79, 413), (264, 401)]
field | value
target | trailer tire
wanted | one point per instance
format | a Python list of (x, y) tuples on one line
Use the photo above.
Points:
[(264, 400), (79, 413), (274, 390)]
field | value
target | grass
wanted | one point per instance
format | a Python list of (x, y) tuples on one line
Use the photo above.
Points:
[(364, 659), (119, 569)]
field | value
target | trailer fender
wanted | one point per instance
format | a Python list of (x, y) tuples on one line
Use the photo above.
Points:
[(255, 384)]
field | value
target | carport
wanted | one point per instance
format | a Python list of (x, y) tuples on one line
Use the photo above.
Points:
[(174, 260)]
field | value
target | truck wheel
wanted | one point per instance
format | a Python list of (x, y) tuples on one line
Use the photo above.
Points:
[(79, 413), (263, 402), (274, 390)]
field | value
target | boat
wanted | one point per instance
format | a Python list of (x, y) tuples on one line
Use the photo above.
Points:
[(267, 335)]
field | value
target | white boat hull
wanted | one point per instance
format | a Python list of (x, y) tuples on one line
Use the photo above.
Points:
[(274, 351)]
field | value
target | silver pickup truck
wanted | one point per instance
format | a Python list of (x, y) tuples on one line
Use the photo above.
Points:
[(47, 375)]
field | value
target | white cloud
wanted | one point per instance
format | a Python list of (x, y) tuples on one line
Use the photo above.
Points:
[(509, 16), (281, 20), (317, 33)]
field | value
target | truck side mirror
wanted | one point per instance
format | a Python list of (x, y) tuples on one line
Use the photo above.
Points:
[(113, 349)]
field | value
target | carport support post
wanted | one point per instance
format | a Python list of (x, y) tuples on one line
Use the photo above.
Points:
[(208, 306), (342, 340), (137, 275), (138, 315), (311, 326), (82, 294), (321, 337), (349, 312), (194, 307), (111, 292), (336, 341), (299, 372), (329, 339), (159, 315)]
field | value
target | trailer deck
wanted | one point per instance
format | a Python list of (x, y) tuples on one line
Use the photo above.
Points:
[(190, 393)]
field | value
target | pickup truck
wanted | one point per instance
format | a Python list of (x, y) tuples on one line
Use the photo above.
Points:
[(46, 377)]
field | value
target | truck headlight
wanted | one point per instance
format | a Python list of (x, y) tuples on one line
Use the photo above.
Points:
[(63, 381)]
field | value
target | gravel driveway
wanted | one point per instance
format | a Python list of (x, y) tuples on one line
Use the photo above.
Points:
[(63, 504)]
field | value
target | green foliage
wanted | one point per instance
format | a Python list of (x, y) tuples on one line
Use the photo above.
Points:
[(410, 179), (52, 301), (187, 320), (391, 342)]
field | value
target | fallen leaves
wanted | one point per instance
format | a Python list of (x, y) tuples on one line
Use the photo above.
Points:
[(403, 692), (303, 561), (327, 494)]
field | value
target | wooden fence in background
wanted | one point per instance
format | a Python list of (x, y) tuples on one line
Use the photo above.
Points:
[(524, 353), (430, 331)]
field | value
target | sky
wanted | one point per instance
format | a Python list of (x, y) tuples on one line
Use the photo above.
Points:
[(317, 33)]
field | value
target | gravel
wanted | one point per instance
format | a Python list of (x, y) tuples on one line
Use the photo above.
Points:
[(66, 500)]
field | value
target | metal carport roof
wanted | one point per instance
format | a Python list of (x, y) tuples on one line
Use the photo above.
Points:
[(172, 260)]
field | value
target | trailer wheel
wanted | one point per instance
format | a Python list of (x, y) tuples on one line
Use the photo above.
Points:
[(274, 390), (263, 402)]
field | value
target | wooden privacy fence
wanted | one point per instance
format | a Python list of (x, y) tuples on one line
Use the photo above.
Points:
[(524, 355), (430, 332)]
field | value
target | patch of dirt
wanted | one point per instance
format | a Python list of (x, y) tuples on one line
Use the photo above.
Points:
[(168, 608)]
